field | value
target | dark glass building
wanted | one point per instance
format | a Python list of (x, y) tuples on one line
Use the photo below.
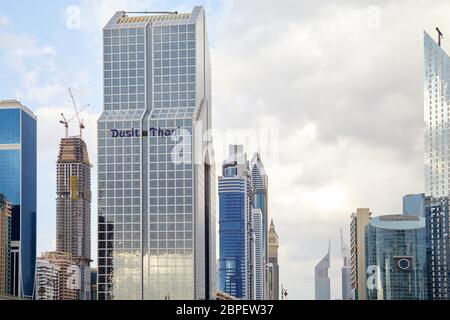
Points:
[(18, 184), (438, 247)]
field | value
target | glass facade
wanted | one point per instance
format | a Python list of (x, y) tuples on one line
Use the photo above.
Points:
[(413, 204), (438, 247), (156, 232), (322, 279), (18, 184), (396, 258), (436, 118), (236, 235)]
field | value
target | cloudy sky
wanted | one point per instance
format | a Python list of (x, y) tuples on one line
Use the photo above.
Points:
[(337, 84)]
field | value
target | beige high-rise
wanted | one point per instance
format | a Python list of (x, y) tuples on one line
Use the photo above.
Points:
[(56, 277), (360, 219), (274, 269)]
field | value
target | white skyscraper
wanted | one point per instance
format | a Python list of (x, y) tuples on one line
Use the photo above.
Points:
[(259, 259), (436, 118)]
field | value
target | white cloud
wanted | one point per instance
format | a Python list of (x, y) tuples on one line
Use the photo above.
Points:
[(4, 21)]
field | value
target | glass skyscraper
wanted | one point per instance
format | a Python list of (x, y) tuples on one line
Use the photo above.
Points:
[(396, 258), (18, 184), (236, 234), (156, 220), (436, 118), (413, 204), (437, 166), (322, 278)]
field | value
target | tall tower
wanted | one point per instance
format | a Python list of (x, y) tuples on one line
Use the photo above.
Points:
[(237, 274), (346, 271), (156, 175), (322, 279), (18, 184), (436, 89), (437, 166), (273, 273), (258, 254), (260, 193), (73, 207), (360, 219)]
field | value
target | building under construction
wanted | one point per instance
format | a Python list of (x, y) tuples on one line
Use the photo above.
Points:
[(73, 208)]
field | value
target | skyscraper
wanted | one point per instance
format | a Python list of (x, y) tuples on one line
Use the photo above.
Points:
[(346, 272), (18, 184), (438, 247), (413, 204), (396, 258), (436, 118), (437, 167), (237, 274), (273, 273), (260, 194), (258, 254), (5, 244), (322, 279), (156, 185), (360, 219), (73, 207)]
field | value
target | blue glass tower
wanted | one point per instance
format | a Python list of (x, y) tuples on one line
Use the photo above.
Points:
[(18, 184), (413, 204), (235, 226), (396, 258)]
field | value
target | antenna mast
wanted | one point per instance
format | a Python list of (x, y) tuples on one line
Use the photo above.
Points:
[(440, 36)]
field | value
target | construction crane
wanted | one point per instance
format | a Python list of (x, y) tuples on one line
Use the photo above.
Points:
[(66, 122), (80, 122)]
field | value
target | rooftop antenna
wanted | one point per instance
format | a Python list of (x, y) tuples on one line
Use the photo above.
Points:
[(440, 36), (80, 122), (152, 12)]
